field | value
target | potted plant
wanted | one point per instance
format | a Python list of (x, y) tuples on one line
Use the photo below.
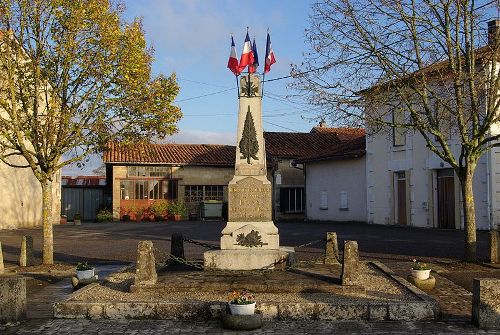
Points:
[(420, 270), (104, 215), (139, 213), (241, 303), (84, 271), (78, 219), (125, 213), (64, 219), (160, 210), (177, 210)]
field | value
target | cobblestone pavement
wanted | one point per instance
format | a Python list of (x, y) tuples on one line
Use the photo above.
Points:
[(150, 327)]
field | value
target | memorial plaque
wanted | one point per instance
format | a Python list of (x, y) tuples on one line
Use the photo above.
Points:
[(250, 201)]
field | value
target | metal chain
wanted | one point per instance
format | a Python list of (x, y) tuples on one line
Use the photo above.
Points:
[(168, 256), (202, 244), (310, 243)]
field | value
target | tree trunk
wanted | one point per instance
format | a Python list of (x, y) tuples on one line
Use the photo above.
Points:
[(48, 237), (469, 213)]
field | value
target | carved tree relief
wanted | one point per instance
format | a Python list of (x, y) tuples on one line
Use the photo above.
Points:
[(249, 146)]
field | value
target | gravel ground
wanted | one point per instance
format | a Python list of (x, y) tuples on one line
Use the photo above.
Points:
[(377, 287)]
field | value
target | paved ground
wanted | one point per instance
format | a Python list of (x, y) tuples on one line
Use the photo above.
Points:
[(111, 244), (143, 327)]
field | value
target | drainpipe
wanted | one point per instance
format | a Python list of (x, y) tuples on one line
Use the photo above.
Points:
[(488, 188)]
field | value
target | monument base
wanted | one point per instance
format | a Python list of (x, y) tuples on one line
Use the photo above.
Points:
[(248, 259), (267, 233)]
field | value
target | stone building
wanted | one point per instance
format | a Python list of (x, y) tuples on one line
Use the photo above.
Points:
[(196, 173)]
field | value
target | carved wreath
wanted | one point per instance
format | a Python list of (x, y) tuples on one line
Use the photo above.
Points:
[(252, 239)]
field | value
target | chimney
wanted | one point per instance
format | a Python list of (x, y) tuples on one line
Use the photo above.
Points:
[(493, 31), (322, 123)]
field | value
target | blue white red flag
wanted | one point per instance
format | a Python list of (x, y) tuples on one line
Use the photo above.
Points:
[(246, 54), (232, 63), (252, 68), (270, 60)]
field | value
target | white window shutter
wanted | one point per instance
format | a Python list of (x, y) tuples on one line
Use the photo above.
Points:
[(323, 201), (343, 200)]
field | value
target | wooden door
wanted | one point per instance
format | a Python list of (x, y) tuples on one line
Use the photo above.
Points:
[(401, 189), (446, 198)]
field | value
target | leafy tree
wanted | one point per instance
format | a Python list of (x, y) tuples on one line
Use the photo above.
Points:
[(417, 66), (249, 146), (74, 77)]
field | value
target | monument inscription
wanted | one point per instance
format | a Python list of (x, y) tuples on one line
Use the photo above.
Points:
[(250, 201)]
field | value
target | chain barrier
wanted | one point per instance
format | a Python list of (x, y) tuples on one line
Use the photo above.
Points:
[(310, 243), (202, 244), (166, 257)]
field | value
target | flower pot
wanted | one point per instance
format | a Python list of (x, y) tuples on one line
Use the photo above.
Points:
[(420, 274), (85, 274), (248, 309), (64, 219), (126, 217)]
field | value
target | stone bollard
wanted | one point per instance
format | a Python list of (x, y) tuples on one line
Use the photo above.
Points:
[(177, 245), (12, 299), (2, 267), (486, 303), (145, 273), (494, 246), (331, 249), (350, 263), (26, 257)]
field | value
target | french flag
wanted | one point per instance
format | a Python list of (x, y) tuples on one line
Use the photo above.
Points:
[(247, 54), (252, 68), (270, 60), (232, 63)]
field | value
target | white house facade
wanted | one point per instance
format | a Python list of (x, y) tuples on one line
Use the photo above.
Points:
[(409, 185)]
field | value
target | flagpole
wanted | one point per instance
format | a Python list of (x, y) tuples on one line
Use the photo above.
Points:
[(237, 86), (263, 80)]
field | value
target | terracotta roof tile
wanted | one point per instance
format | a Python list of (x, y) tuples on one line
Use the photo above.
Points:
[(278, 145), (182, 154), (296, 145), (343, 133), (349, 149)]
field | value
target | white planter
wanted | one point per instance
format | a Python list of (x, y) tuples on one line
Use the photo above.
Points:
[(84, 274), (420, 274), (248, 309)]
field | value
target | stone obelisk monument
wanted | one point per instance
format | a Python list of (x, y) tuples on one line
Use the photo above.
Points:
[(250, 239)]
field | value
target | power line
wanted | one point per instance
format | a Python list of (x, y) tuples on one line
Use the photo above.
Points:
[(206, 95), (277, 125)]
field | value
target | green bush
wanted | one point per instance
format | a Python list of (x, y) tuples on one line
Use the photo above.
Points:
[(177, 208), (104, 215)]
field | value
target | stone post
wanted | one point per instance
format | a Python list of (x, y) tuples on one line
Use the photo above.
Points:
[(177, 245), (486, 303), (26, 257), (494, 246), (331, 249), (145, 273), (12, 299), (2, 267), (350, 263)]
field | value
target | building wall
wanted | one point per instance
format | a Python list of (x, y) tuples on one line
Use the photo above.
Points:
[(285, 176), (421, 167), (21, 195), (186, 175), (333, 178)]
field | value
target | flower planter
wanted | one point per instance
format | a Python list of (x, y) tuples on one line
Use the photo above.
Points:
[(248, 309), (420, 274), (85, 274)]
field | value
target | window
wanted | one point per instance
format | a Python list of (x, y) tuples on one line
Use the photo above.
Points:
[(398, 134), (198, 193), (148, 171), (292, 199), (148, 189)]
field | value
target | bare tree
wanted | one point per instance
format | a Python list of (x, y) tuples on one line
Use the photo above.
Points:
[(420, 65), (74, 77)]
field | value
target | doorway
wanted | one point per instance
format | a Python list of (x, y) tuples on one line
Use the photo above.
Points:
[(446, 198), (401, 194)]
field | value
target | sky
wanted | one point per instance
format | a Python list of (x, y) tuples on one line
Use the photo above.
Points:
[(192, 39)]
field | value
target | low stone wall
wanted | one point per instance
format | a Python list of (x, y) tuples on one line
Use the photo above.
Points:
[(423, 307), (12, 298), (486, 303)]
